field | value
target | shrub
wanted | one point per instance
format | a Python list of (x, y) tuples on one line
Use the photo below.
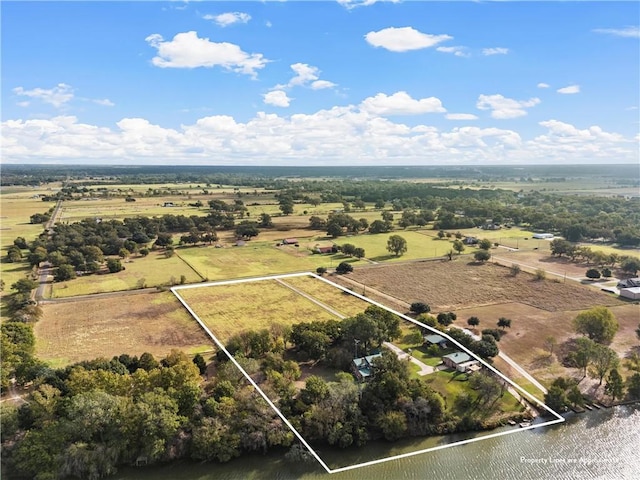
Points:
[(344, 268), (540, 274)]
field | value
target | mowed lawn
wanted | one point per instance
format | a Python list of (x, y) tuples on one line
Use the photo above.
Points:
[(85, 329), (337, 299), (231, 309), (153, 270), (256, 259), (375, 245)]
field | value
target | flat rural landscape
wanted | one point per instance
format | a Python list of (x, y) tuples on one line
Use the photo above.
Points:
[(87, 282)]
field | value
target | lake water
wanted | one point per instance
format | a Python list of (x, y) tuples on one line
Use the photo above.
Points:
[(601, 444)]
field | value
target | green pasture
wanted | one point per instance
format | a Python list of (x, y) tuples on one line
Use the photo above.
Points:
[(231, 309), (15, 210), (256, 259), (375, 246), (609, 249), (153, 270)]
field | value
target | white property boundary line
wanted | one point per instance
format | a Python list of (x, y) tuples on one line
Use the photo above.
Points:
[(559, 418)]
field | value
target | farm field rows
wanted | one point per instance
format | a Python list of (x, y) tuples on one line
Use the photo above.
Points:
[(79, 330), (457, 284)]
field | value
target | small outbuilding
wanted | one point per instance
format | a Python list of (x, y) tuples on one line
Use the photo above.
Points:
[(290, 241), (632, 293), (629, 283), (435, 340), (543, 236)]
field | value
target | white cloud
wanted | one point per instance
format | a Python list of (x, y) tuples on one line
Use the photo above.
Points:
[(105, 102), (458, 51), (322, 84), (187, 50), (543, 85), (306, 75), (627, 32), (403, 39), (495, 51), (310, 139), (56, 96), (503, 108), (461, 116), (571, 89), (277, 98), (26, 103), (401, 103), (228, 18), (268, 24), (351, 4)]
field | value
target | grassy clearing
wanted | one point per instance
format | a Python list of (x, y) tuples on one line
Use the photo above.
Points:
[(231, 309), (153, 270), (82, 330), (16, 207), (255, 259), (337, 299)]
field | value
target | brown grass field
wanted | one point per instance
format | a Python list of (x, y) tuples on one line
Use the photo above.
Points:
[(524, 341), (86, 329), (341, 301), (230, 309), (544, 260), (459, 284)]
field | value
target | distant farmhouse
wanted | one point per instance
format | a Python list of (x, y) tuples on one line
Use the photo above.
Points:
[(363, 366), (471, 241), (325, 249)]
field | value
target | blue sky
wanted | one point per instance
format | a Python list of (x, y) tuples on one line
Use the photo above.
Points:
[(320, 83)]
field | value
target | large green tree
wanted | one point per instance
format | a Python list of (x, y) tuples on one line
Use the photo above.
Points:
[(597, 323), (396, 245)]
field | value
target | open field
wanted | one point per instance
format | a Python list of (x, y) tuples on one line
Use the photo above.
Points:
[(524, 341), (152, 270), (346, 304), (560, 266), (16, 206), (458, 284), (231, 309), (256, 258), (86, 329)]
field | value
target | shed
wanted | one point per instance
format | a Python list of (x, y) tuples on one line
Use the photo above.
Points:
[(629, 283), (330, 249), (632, 293), (289, 241), (546, 236), (435, 340)]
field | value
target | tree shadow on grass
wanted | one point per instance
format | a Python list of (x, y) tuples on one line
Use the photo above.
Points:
[(542, 361), (383, 258)]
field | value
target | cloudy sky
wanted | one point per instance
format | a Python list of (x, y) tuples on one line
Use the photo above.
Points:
[(320, 83)]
